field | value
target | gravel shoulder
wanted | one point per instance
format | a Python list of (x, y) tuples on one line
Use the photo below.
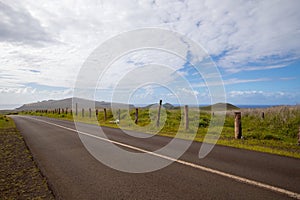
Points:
[(20, 177)]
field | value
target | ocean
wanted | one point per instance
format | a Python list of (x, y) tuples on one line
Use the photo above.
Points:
[(202, 105), (255, 106)]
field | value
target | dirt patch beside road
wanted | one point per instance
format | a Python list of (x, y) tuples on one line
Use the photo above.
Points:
[(19, 176)]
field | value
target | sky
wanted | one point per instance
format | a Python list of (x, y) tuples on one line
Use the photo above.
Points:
[(255, 45)]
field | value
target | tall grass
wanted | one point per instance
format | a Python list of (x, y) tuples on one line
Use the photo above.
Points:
[(277, 132)]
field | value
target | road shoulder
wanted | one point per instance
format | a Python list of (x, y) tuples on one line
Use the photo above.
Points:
[(20, 177)]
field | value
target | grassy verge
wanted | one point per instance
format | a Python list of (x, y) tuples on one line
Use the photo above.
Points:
[(19, 176), (276, 132)]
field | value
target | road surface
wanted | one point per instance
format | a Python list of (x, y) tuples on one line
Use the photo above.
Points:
[(226, 173)]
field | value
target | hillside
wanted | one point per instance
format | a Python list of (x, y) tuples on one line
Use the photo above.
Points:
[(220, 106), (165, 105), (67, 103)]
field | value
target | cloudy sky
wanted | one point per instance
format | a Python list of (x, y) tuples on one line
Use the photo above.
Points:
[(254, 44)]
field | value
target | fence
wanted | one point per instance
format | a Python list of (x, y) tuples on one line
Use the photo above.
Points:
[(104, 114)]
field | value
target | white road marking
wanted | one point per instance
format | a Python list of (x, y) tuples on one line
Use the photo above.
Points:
[(213, 171)]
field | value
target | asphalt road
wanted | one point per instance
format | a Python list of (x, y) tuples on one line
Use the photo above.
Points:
[(226, 173)]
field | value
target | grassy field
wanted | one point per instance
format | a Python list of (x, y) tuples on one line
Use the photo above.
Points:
[(19, 176), (276, 133)]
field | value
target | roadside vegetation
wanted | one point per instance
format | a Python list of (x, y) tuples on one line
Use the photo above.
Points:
[(19, 176), (273, 130)]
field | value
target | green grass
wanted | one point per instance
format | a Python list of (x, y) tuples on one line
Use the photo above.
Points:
[(6, 122), (277, 133)]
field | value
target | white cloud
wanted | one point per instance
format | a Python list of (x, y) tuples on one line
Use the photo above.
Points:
[(245, 93), (23, 95), (263, 97), (47, 42), (231, 81), (250, 31), (186, 91), (19, 26), (237, 81), (256, 68), (287, 78)]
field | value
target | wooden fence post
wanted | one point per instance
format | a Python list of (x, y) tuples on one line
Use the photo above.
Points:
[(158, 114), (186, 116), (105, 114), (136, 116), (238, 125), (66, 111), (82, 112), (76, 109), (119, 115), (97, 113), (90, 112), (263, 115), (59, 111)]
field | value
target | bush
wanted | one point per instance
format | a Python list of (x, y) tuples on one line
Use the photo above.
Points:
[(271, 137), (204, 122)]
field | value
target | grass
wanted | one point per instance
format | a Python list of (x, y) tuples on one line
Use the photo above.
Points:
[(6, 122), (19, 176), (276, 133)]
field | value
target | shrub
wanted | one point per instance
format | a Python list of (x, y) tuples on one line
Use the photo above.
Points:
[(271, 137)]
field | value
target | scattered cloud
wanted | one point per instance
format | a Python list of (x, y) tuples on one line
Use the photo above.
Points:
[(250, 97), (47, 42), (237, 81), (231, 81), (21, 95), (245, 93), (287, 78), (256, 68), (17, 25)]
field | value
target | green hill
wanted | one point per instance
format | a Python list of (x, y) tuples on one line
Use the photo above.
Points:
[(167, 106), (220, 106), (67, 103)]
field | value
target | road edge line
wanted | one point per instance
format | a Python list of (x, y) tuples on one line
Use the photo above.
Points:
[(196, 166)]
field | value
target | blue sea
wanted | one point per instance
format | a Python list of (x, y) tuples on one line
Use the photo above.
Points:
[(255, 106), (240, 106)]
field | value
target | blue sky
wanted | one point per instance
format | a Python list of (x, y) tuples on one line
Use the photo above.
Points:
[(255, 45), (276, 86)]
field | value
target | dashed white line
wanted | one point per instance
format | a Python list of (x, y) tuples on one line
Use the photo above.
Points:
[(213, 171)]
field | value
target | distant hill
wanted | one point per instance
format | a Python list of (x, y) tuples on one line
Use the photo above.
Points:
[(168, 106), (67, 103), (220, 106), (165, 105)]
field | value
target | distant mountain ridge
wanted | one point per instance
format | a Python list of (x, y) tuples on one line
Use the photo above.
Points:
[(84, 103), (67, 103)]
